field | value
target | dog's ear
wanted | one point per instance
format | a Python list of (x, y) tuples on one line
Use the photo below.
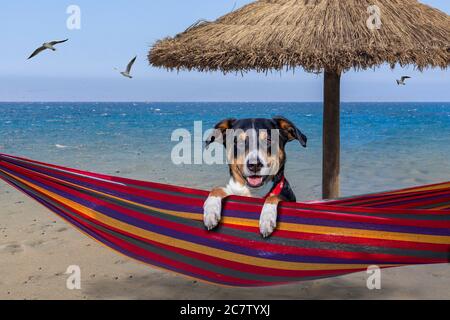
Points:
[(290, 131), (220, 129)]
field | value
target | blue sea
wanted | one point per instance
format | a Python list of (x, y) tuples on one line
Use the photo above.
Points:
[(384, 145)]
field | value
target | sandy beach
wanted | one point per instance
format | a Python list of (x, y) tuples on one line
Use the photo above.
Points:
[(36, 248)]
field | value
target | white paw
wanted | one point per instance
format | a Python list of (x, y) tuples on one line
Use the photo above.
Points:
[(212, 210), (268, 219)]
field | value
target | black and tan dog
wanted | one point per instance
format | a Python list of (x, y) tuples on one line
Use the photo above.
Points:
[(256, 155)]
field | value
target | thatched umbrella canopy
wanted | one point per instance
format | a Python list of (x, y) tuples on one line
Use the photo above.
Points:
[(330, 36)]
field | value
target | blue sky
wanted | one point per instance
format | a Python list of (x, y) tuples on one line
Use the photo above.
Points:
[(114, 31)]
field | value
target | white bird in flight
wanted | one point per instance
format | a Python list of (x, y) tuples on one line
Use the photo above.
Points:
[(127, 72), (47, 45), (402, 82)]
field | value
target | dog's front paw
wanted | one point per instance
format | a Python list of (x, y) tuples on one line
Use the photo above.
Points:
[(268, 219), (211, 212)]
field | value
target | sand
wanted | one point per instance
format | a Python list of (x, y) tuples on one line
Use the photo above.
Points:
[(36, 247)]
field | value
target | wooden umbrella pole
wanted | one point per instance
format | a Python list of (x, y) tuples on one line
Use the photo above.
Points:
[(331, 135)]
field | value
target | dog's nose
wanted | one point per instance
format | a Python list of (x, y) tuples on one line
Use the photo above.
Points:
[(254, 166)]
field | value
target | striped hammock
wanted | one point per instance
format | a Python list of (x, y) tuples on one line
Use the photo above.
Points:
[(162, 226)]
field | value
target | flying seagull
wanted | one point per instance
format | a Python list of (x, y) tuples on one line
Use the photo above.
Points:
[(402, 82), (45, 46), (126, 73)]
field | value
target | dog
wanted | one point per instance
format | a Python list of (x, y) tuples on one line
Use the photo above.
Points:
[(255, 150)]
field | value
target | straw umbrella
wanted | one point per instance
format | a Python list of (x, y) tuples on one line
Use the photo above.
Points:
[(329, 36)]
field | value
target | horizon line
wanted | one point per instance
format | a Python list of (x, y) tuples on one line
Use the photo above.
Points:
[(217, 101)]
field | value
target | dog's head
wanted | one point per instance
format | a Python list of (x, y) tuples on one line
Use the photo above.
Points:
[(256, 147)]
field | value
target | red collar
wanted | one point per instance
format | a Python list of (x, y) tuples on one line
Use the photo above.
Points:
[(278, 188)]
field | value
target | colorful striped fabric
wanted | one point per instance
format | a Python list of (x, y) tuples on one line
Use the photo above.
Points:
[(162, 226)]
